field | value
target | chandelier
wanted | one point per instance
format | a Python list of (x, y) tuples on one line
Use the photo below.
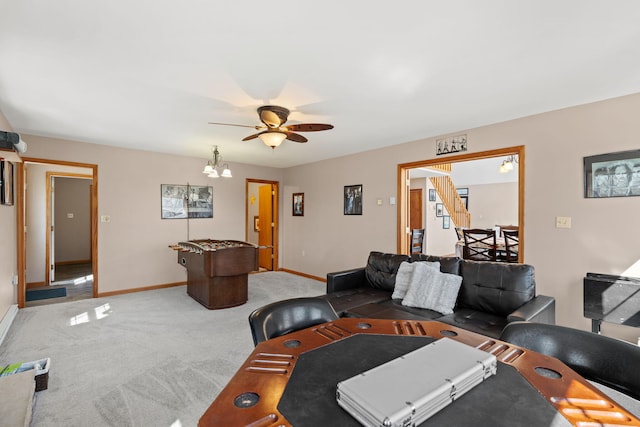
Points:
[(211, 169)]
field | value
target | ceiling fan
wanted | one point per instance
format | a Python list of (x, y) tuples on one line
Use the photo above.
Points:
[(273, 131)]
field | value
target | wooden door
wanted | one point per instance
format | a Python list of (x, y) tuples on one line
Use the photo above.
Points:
[(415, 208), (265, 234)]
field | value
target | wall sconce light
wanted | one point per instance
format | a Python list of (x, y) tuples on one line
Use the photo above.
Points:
[(211, 169)]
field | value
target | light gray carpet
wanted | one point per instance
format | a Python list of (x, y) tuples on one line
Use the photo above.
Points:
[(154, 358)]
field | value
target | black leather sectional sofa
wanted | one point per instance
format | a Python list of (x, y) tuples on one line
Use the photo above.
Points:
[(491, 294)]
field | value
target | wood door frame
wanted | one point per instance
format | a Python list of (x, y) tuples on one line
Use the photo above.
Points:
[(21, 221), (275, 207), (403, 233)]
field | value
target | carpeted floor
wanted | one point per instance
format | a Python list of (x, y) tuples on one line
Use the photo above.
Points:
[(154, 358)]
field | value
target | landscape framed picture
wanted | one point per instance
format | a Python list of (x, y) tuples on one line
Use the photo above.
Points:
[(186, 201), (612, 175), (353, 199), (297, 204)]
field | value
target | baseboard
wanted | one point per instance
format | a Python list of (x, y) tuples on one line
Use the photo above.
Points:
[(298, 273), (35, 285), (146, 288), (7, 320), (77, 261)]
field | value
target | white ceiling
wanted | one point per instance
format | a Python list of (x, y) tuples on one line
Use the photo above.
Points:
[(150, 74)]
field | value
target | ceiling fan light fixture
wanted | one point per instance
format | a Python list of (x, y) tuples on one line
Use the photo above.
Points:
[(272, 139)]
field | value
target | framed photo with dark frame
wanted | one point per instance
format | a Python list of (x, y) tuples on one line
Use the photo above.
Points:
[(6, 183), (612, 175), (446, 221), (353, 199), (186, 201), (432, 195), (465, 200), (297, 204), (439, 209)]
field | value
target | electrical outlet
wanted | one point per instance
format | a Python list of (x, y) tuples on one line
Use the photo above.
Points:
[(105, 218), (563, 222)]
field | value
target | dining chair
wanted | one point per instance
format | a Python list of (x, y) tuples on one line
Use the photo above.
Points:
[(417, 240), (479, 244), (290, 315), (604, 360), (511, 244)]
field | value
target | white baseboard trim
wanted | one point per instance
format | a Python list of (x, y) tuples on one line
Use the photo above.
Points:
[(7, 320)]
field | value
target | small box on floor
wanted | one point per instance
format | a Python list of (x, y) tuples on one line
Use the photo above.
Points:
[(40, 366)]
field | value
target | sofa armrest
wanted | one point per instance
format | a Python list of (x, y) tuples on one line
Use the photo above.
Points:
[(541, 309), (348, 279)]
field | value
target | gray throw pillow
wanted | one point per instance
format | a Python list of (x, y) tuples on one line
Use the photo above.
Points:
[(433, 290), (404, 274)]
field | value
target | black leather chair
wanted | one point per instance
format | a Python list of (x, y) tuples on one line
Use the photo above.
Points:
[(283, 317), (601, 359)]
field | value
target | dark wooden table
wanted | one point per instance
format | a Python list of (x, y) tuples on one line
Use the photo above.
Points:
[(217, 270), (290, 380)]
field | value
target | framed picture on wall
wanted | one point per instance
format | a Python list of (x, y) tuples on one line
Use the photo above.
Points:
[(439, 209), (353, 199), (6, 182), (186, 201), (612, 175), (297, 204), (446, 221), (432, 195)]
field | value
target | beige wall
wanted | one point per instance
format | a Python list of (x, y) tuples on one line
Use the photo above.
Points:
[(8, 256), (133, 246), (601, 239)]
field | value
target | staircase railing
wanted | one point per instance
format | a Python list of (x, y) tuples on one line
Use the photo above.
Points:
[(451, 200)]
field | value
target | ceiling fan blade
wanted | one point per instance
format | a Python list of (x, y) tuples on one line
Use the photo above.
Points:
[(309, 127), (255, 135), (295, 137), (242, 126)]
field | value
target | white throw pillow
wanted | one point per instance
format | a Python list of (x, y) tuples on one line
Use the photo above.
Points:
[(432, 289), (404, 274)]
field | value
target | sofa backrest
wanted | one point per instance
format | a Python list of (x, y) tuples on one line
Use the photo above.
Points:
[(495, 287), (448, 264), (381, 269)]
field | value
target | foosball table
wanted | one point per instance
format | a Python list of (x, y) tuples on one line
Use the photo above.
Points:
[(217, 270)]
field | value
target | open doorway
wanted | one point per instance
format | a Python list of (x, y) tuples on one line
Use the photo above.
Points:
[(57, 252), (261, 209), (404, 188)]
